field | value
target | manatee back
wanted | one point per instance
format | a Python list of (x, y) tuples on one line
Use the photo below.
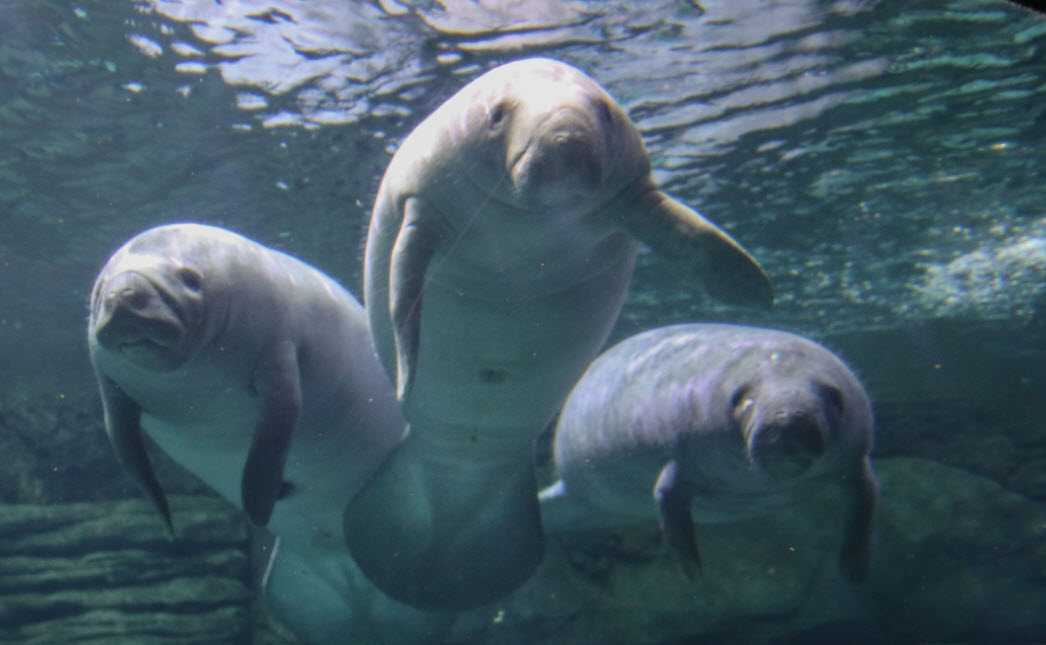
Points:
[(623, 419)]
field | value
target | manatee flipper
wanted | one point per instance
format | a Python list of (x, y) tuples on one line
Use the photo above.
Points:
[(856, 553), (415, 244), (679, 233), (278, 385), (673, 501), (122, 424)]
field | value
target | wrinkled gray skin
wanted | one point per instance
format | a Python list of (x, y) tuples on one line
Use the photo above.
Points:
[(257, 373), (500, 247), (720, 421)]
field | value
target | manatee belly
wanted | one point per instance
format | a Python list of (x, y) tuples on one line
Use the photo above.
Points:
[(215, 452), (491, 362)]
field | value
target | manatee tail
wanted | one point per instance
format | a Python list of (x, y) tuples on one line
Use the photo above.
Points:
[(680, 234), (445, 545)]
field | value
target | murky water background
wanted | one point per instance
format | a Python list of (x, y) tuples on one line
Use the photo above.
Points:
[(883, 160)]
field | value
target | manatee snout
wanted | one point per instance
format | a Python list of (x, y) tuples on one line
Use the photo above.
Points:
[(133, 311), (786, 446), (574, 150), (565, 156)]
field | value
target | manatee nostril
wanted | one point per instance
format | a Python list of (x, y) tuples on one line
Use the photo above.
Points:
[(135, 298), (127, 292), (561, 138), (191, 279)]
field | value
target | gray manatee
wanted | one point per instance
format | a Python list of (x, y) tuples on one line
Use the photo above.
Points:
[(501, 244), (257, 373), (726, 422), (249, 367)]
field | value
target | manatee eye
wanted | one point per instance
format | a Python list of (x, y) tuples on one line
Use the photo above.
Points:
[(739, 397), (834, 397), (191, 279), (497, 115), (604, 112)]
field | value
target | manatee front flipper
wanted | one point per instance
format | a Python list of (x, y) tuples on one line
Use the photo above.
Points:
[(122, 424), (680, 234), (415, 244), (856, 554), (673, 500), (278, 384)]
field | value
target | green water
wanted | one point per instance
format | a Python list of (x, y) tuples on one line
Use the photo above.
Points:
[(882, 160)]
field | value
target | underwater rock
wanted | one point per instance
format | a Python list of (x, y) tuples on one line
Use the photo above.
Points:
[(966, 393), (759, 580), (956, 558), (959, 558), (104, 572), (1005, 281), (48, 440), (1030, 476), (54, 444)]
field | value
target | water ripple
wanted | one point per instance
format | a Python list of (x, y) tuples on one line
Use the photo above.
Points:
[(858, 148)]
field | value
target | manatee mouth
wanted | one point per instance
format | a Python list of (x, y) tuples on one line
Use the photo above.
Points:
[(786, 447), (143, 345), (562, 156), (138, 319)]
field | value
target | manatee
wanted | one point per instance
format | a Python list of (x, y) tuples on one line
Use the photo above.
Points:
[(502, 240), (723, 422), (251, 369)]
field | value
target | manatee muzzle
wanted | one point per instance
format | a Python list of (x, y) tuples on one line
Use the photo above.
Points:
[(785, 445), (564, 158), (572, 155), (136, 315)]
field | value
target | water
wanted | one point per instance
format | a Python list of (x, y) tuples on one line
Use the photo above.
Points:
[(882, 160)]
